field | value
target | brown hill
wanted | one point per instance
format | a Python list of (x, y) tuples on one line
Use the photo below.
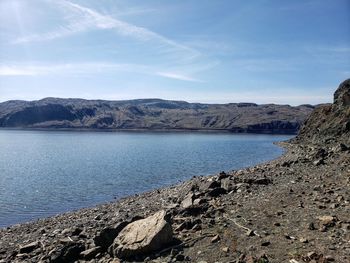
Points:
[(152, 114)]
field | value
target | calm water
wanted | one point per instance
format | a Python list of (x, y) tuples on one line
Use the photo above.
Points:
[(44, 173)]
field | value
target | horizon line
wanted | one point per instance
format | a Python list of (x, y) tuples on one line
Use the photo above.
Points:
[(169, 100)]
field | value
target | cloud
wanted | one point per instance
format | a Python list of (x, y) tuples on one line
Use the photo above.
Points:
[(173, 75), (15, 71), (87, 68), (85, 19)]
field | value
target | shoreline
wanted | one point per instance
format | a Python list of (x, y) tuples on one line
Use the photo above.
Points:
[(140, 130), (275, 176)]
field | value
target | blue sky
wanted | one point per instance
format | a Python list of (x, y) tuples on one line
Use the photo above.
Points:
[(264, 51)]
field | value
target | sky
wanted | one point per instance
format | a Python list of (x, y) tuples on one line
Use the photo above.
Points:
[(222, 51)]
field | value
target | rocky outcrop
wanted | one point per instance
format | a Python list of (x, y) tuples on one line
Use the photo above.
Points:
[(153, 114), (143, 236), (329, 124)]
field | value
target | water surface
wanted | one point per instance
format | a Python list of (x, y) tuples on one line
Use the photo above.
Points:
[(43, 173)]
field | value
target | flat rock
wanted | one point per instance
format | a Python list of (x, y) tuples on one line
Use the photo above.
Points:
[(29, 247), (143, 236), (188, 201), (90, 253)]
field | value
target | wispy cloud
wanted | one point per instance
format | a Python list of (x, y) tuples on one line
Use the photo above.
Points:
[(135, 11), (85, 19), (33, 69), (178, 76)]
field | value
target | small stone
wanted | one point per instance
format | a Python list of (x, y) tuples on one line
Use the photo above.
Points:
[(188, 201), (56, 231), (265, 244), (217, 192), (22, 256), (29, 247), (327, 220), (263, 259), (262, 181), (72, 231), (304, 240), (223, 175), (334, 206), (83, 234), (198, 201), (90, 253), (215, 239), (329, 258), (311, 255), (174, 252), (318, 162), (66, 240), (250, 233), (66, 231), (228, 184), (311, 226), (289, 237), (225, 249), (180, 257), (197, 227)]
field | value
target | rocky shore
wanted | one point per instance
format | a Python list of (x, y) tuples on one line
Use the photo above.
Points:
[(293, 209)]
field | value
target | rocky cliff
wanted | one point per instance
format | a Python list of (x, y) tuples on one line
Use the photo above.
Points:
[(329, 124), (154, 114)]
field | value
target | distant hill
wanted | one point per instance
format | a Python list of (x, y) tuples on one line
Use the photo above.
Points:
[(152, 114)]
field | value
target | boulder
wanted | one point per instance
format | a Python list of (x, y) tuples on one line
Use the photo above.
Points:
[(143, 236), (342, 94)]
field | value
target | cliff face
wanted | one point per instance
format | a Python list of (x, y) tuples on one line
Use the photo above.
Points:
[(330, 123), (152, 114)]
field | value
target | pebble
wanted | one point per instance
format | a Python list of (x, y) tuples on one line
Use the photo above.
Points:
[(215, 239)]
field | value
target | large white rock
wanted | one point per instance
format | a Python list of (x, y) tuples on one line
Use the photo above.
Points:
[(143, 236)]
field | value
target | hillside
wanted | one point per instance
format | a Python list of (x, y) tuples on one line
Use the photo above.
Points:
[(330, 123), (154, 114)]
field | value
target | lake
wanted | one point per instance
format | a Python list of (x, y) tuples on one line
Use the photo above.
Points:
[(43, 173)]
